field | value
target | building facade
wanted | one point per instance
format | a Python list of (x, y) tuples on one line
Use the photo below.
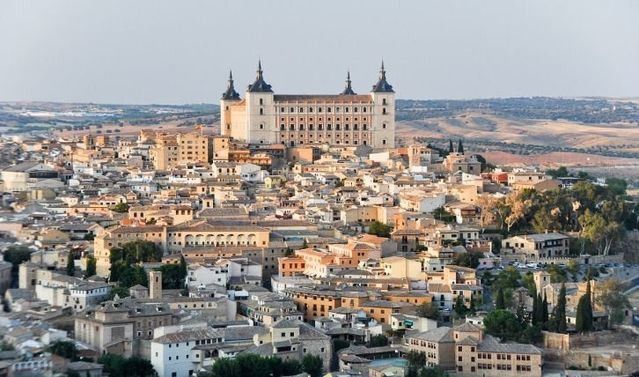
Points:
[(345, 119)]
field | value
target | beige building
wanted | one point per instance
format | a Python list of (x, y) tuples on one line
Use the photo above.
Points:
[(346, 119), (173, 239), (171, 150), (466, 350)]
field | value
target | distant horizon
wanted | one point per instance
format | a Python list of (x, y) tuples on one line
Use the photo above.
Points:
[(398, 99), (163, 52)]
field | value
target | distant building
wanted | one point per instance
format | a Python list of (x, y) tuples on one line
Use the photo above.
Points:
[(347, 119)]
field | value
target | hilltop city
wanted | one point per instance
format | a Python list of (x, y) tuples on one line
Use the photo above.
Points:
[(296, 235)]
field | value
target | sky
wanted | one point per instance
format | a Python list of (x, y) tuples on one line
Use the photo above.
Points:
[(177, 52)]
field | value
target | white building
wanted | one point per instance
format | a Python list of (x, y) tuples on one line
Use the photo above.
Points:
[(178, 354)]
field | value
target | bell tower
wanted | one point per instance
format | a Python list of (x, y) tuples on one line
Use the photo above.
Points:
[(260, 111), (383, 122)]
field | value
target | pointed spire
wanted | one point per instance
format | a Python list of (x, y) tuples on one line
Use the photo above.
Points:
[(230, 94), (348, 90), (259, 85), (383, 85)]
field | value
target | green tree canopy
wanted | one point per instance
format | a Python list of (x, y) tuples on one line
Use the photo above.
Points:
[(66, 349), (470, 259), (379, 229), (378, 341), (313, 365), (503, 324), (428, 310), (116, 365), (120, 208)]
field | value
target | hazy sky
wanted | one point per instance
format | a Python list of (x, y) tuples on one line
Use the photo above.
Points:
[(180, 51)]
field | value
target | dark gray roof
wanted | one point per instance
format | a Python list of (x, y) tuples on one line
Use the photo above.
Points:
[(491, 344), (259, 85), (348, 90), (382, 86), (230, 93)]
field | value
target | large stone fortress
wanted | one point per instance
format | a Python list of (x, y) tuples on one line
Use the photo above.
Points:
[(345, 119)]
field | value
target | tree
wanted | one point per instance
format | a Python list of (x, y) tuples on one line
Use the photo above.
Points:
[(470, 259), (116, 365), (173, 276), (460, 307), (64, 349), (502, 324), (557, 274), (500, 302), (120, 208), (16, 255), (528, 282), (339, 344), (487, 205), (573, 268), (614, 300), (544, 310), (617, 186), (428, 310), (517, 211), (432, 372), (379, 229), (378, 341), (416, 361), (507, 278), (559, 312), (599, 230), (120, 291), (124, 260), (472, 309), (91, 266), (440, 213), (70, 265), (584, 321), (559, 172), (536, 310), (312, 365)]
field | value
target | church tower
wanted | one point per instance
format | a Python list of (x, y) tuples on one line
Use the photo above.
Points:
[(383, 126), (155, 284), (260, 111), (229, 97)]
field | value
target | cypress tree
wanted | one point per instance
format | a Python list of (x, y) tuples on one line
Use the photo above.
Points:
[(560, 311), (460, 147), (450, 146), (584, 312), (472, 308), (460, 307), (70, 265), (500, 302), (544, 310), (535, 310)]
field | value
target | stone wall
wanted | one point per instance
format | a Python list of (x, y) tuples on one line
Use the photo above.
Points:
[(616, 361), (567, 342)]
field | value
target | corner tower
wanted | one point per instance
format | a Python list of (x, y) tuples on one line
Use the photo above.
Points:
[(383, 118), (229, 97), (260, 111)]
